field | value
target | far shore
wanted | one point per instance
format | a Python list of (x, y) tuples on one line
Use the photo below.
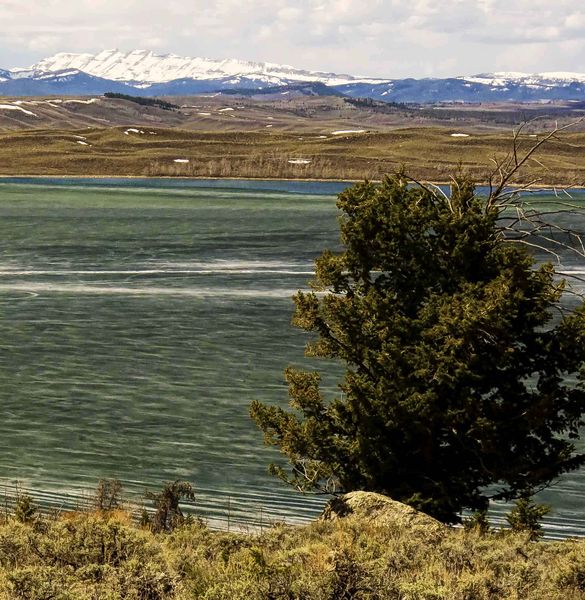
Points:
[(534, 188), (429, 155)]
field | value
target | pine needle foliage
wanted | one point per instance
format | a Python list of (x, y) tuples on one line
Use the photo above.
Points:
[(526, 516), (462, 383)]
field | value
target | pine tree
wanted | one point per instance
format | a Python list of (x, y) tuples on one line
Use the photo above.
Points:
[(460, 375)]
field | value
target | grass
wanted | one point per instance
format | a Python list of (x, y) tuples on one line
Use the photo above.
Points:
[(103, 554), (111, 152)]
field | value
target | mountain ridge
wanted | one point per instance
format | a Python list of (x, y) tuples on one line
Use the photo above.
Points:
[(145, 73), (144, 67)]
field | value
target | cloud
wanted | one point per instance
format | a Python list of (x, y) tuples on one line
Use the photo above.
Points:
[(376, 37)]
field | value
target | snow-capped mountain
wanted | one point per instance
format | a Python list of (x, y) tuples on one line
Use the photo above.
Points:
[(143, 68), (145, 73), (503, 79), (486, 87)]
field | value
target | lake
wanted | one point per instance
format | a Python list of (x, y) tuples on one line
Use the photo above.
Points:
[(139, 318)]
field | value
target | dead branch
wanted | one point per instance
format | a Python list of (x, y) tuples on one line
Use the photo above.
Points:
[(514, 161)]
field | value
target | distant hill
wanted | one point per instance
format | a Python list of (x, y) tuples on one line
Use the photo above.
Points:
[(70, 83), (293, 89), (486, 88)]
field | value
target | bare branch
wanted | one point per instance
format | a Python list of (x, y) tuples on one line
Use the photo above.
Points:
[(507, 174)]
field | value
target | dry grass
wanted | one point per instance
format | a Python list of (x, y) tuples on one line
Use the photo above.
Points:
[(429, 154), (102, 555)]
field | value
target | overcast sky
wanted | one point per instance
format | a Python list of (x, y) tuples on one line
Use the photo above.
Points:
[(385, 38)]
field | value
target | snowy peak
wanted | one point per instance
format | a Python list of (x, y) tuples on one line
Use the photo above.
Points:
[(145, 73), (145, 68)]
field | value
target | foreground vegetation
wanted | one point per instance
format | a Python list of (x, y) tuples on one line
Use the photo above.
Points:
[(386, 555)]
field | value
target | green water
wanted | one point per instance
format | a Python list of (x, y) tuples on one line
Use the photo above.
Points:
[(137, 325), (138, 321)]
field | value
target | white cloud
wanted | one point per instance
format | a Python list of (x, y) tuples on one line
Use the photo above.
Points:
[(376, 37)]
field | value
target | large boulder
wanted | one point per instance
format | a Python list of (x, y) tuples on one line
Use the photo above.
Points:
[(379, 510)]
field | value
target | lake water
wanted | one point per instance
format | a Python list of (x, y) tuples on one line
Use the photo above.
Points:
[(139, 318)]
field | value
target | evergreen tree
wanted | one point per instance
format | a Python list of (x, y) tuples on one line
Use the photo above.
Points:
[(526, 517), (462, 382), (168, 514)]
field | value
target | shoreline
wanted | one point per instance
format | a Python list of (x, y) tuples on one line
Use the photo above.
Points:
[(181, 178), (535, 188)]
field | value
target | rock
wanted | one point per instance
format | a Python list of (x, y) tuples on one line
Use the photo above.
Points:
[(379, 510)]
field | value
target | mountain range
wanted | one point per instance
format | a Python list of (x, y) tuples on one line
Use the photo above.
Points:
[(144, 73)]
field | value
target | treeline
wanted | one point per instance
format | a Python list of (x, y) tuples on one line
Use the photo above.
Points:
[(378, 105), (143, 101)]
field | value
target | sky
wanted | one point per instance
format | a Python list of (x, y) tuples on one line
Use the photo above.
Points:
[(378, 38)]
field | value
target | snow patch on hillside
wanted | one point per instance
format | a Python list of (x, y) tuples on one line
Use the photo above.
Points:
[(344, 131), (19, 108), (90, 101)]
